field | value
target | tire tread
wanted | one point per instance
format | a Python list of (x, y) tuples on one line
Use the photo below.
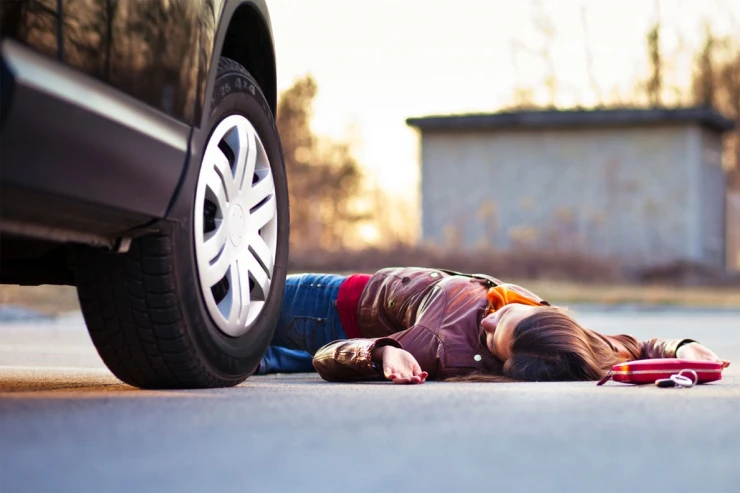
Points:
[(134, 319)]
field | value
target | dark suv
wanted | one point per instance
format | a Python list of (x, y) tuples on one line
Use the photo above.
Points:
[(141, 164)]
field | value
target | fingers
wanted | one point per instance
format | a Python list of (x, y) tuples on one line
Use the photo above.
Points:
[(414, 379), (725, 363), (407, 378), (416, 369), (404, 376)]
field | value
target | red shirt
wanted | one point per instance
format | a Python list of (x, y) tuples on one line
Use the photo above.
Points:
[(347, 300)]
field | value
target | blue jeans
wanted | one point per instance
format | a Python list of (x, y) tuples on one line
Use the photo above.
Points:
[(308, 321)]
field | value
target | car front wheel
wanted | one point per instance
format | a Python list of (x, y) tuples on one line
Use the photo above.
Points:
[(195, 305)]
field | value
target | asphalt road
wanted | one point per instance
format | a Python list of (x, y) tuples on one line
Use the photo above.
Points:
[(67, 425)]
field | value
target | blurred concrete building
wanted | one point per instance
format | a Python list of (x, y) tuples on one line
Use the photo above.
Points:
[(642, 187)]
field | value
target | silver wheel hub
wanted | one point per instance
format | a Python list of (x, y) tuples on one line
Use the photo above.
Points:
[(235, 225)]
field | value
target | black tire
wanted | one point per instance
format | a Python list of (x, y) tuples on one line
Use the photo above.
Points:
[(145, 310)]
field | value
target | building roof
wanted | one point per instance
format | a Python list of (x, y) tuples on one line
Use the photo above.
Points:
[(703, 116)]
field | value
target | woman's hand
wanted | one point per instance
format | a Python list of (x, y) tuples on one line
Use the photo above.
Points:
[(697, 352), (399, 365)]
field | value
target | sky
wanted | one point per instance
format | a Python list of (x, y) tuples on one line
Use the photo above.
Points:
[(379, 62)]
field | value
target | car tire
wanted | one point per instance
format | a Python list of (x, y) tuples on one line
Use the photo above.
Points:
[(162, 315)]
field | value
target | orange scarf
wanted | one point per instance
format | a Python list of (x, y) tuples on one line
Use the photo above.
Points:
[(505, 294)]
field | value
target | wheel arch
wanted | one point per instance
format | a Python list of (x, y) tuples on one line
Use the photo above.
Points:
[(249, 41), (244, 34)]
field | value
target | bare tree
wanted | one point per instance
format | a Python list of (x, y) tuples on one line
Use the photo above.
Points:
[(323, 175), (523, 95), (716, 83), (546, 28), (654, 84), (590, 59), (704, 78)]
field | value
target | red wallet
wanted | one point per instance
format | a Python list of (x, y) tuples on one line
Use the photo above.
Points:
[(649, 370)]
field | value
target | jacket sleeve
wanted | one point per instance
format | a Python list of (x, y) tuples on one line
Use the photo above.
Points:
[(630, 348), (350, 360), (443, 308)]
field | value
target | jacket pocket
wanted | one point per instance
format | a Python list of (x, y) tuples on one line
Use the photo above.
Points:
[(309, 333)]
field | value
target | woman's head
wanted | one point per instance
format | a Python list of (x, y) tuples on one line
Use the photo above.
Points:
[(540, 343)]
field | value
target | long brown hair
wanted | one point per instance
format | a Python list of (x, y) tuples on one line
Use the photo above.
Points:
[(548, 346)]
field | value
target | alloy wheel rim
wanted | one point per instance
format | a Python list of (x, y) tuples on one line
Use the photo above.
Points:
[(235, 225)]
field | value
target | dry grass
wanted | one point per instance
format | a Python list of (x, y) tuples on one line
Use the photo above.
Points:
[(559, 277), (53, 300), (520, 264), (564, 292), (49, 300)]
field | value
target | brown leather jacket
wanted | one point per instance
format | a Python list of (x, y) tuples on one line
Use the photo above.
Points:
[(436, 317)]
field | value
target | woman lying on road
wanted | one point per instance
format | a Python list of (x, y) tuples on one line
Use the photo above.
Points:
[(410, 324)]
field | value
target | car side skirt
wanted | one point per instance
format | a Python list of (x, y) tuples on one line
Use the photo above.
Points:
[(67, 138)]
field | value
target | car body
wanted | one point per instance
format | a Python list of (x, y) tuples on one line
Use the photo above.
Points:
[(63, 179), (106, 109)]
